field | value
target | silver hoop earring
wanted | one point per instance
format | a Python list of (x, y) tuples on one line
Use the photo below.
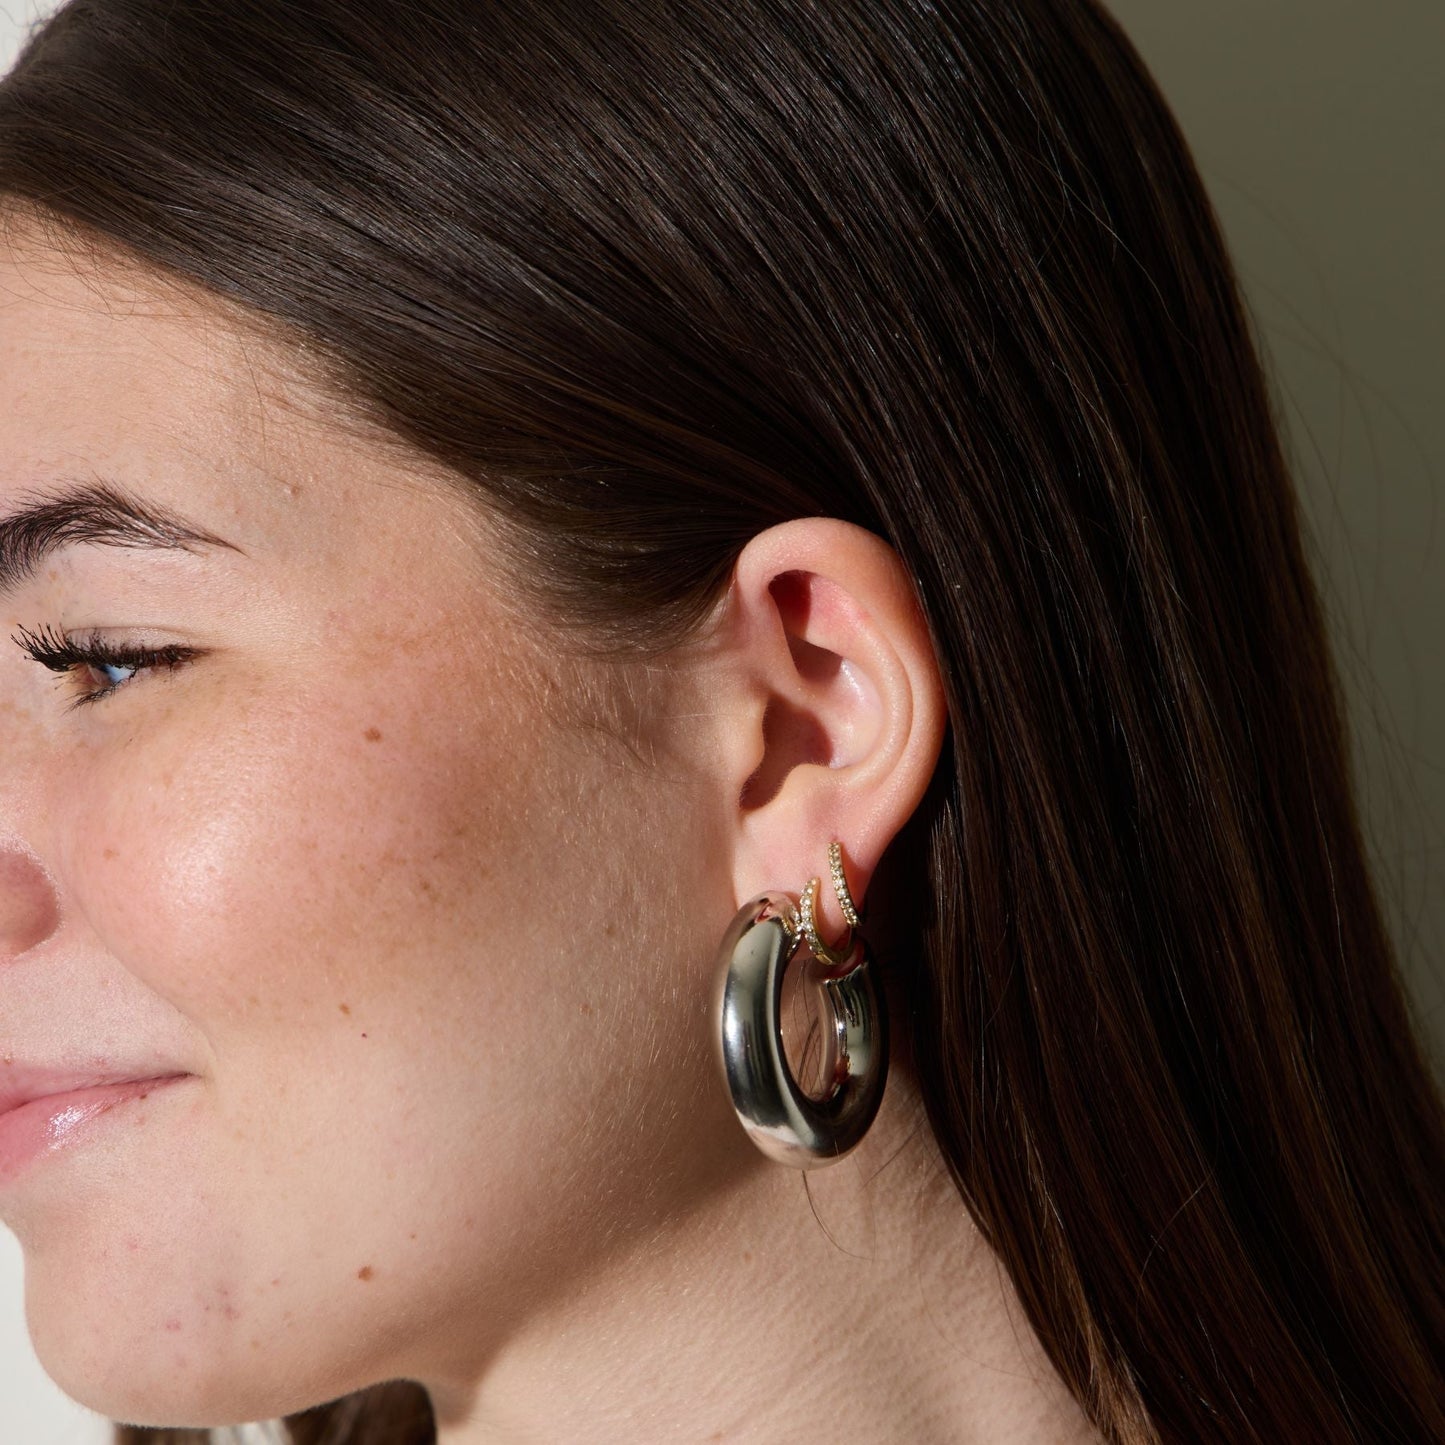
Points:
[(755, 952)]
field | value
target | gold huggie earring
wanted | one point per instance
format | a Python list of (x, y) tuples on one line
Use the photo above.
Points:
[(833, 957), (777, 1116)]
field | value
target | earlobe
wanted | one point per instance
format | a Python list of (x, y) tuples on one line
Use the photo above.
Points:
[(845, 714)]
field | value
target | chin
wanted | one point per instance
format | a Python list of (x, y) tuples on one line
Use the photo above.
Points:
[(148, 1362)]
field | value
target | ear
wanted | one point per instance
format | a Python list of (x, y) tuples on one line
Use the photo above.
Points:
[(834, 705)]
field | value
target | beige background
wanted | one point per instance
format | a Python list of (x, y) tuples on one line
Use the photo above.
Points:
[(1319, 126)]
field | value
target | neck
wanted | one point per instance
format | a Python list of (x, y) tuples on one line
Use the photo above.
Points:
[(855, 1301)]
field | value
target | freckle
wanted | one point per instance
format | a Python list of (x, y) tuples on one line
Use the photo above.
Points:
[(346, 1008), (173, 1326), (274, 1283), (747, 1255), (372, 735), (411, 1236), (252, 999), (586, 1008), (109, 853), (469, 1223), (365, 1272), (255, 1344)]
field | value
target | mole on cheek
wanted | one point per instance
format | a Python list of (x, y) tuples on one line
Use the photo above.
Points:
[(372, 735), (364, 1273)]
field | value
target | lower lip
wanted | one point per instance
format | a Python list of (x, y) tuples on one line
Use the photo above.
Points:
[(44, 1126)]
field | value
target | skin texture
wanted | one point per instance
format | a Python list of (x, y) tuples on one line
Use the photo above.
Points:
[(426, 910)]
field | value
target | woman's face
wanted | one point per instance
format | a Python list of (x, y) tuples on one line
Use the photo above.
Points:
[(355, 872)]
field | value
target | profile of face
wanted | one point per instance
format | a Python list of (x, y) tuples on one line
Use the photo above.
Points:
[(415, 953)]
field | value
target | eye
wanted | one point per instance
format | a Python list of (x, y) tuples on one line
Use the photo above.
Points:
[(115, 663)]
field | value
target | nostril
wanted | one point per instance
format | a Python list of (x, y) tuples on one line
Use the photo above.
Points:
[(29, 910)]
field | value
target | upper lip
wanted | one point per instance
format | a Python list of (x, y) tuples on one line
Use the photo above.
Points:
[(22, 1084)]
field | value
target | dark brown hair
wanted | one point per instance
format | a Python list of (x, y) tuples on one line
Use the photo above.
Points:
[(654, 276)]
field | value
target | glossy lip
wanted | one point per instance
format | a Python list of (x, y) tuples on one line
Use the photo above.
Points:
[(44, 1111)]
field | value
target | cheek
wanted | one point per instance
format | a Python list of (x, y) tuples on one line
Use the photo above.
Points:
[(312, 889), (265, 866), (425, 1017), (324, 894)]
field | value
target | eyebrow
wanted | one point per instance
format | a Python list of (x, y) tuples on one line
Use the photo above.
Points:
[(102, 513)]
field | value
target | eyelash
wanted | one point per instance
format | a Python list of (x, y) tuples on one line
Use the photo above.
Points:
[(62, 654)]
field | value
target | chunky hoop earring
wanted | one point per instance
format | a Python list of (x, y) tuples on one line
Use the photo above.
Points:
[(776, 1114)]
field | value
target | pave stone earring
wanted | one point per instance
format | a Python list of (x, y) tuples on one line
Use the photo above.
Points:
[(760, 942)]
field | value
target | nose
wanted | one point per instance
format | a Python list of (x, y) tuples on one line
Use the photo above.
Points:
[(29, 911)]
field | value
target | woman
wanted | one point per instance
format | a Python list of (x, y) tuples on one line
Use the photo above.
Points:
[(496, 491)]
